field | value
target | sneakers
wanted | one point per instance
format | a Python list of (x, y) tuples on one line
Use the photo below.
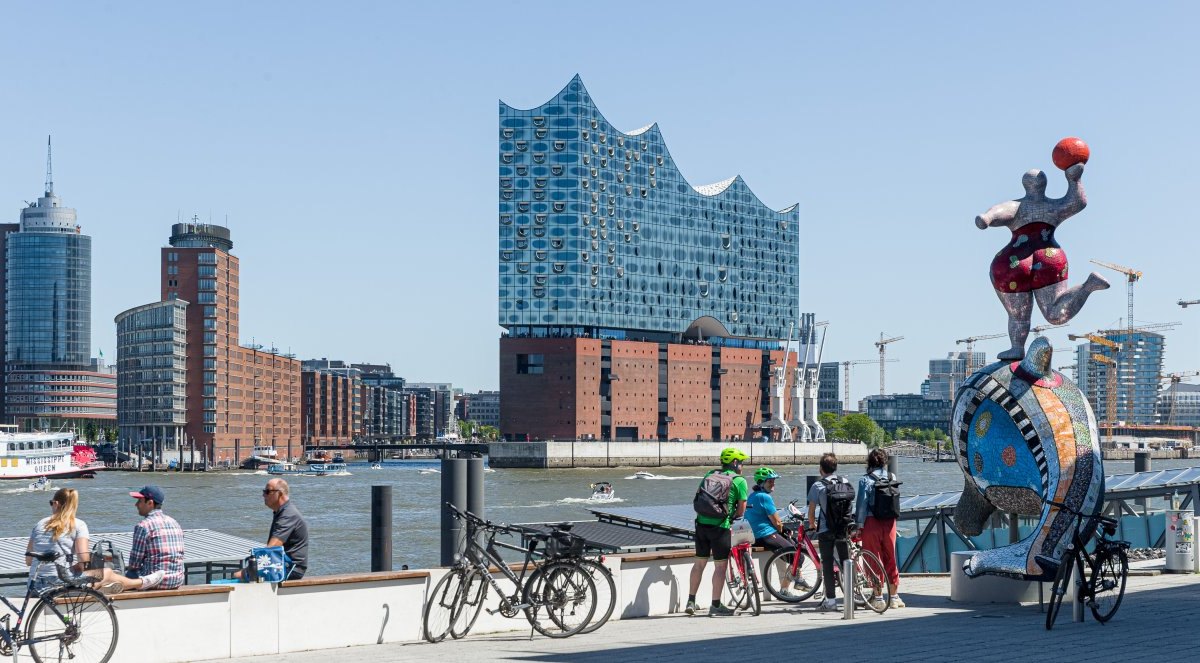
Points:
[(877, 603), (897, 602), (152, 580), (801, 585), (785, 595), (110, 588), (720, 610), (830, 605), (691, 608)]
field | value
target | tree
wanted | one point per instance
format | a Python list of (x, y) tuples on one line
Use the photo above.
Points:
[(858, 427), (832, 425), (90, 431)]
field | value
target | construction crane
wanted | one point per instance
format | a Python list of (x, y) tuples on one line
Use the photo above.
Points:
[(846, 381), (1131, 276), (1188, 302), (1175, 379), (1041, 328), (882, 344), (970, 341)]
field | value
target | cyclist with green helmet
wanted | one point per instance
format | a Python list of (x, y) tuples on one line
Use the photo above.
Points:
[(761, 513), (713, 536)]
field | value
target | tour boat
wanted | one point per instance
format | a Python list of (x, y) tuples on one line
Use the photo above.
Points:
[(309, 470), (30, 456)]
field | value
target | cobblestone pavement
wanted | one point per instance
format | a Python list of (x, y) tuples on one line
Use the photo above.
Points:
[(1155, 623)]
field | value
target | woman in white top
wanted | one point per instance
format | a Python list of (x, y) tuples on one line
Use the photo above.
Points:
[(63, 533)]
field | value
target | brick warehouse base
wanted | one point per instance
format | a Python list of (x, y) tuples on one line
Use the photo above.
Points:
[(580, 453)]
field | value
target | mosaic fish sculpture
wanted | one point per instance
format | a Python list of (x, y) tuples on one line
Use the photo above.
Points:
[(1025, 435)]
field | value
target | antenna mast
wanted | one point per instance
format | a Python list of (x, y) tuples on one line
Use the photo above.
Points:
[(49, 171)]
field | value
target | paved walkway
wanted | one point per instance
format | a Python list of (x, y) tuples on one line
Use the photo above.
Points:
[(1156, 622)]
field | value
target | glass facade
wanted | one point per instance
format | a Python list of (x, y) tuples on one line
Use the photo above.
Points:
[(49, 299), (1139, 367), (599, 230)]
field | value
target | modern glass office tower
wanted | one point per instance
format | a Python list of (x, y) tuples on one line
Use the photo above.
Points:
[(1138, 366), (637, 306), (600, 234), (50, 379)]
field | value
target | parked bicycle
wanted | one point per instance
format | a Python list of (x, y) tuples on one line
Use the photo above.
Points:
[(558, 597), (569, 547), (741, 579), (795, 575), (68, 621), (1106, 567)]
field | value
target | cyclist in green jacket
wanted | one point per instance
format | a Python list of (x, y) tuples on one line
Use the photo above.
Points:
[(713, 536)]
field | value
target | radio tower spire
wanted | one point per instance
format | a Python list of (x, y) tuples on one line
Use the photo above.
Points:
[(49, 171)]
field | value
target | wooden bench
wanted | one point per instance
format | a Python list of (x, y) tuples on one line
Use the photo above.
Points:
[(348, 578), (186, 590)]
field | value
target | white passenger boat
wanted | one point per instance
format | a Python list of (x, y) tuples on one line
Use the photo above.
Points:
[(602, 491), (30, 456), (309, 470)]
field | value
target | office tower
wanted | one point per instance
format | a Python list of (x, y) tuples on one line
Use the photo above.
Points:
[(1138, 367), (636, 305)]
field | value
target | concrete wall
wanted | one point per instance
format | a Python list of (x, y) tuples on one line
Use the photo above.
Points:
[(582, 453), (225, 621)]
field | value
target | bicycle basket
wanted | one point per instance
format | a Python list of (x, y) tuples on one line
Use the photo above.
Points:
[(564, 544)]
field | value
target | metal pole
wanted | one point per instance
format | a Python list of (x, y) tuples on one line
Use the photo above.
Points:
[(381, 528), (1014, 528), (454, 491), (1141, 463), (848, 589), (893, 463), (475, 499)]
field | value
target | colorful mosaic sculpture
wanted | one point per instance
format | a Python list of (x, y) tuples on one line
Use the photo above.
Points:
[(1025, 435), (1033, 267)]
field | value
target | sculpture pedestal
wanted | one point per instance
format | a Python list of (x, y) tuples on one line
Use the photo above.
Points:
[(987, 589)]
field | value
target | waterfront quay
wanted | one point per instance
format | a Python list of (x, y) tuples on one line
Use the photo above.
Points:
[(1154, 624)]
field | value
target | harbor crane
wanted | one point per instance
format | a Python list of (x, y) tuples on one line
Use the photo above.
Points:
[(1131, 276), (846, 378), (1175, 379), (882, 344), (1188, 302)]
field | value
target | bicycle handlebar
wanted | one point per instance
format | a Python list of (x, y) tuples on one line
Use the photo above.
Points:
[(476, 521)]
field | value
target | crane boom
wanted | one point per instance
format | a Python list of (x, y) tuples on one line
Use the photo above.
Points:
[(1188, 302), (882, 344), (846, 378), (1131, 276)]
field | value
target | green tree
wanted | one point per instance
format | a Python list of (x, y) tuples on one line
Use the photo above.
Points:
[(90, 430), (832, 425), (858, 427)]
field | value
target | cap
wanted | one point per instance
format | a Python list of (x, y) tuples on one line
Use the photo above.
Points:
[(153, 493)]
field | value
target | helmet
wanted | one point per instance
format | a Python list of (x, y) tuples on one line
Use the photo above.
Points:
[(765, 473), (731, 454)]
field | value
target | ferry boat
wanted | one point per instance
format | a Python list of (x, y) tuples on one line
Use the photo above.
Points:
[(309, 470), (28, 456)]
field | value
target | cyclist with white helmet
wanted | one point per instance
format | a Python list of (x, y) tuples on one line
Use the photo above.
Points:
[(713, 537)]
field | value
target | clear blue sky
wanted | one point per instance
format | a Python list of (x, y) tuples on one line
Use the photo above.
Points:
[(352, 148)]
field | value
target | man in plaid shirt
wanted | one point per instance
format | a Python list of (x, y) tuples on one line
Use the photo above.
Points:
[(156, 558)]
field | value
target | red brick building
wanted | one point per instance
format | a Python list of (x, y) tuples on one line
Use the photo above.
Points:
[(332, 403), (584, 388)]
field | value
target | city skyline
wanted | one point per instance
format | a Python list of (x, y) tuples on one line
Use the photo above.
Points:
[(175, 114)]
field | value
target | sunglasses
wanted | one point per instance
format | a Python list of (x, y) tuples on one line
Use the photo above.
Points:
[(268, 491)]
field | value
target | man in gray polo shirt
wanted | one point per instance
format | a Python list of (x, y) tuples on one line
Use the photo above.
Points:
[(288, 528)]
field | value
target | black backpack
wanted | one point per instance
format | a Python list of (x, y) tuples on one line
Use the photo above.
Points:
[(712, 498), (886, 503), (839, 506)]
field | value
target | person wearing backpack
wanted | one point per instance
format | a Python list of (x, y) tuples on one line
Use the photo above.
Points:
[(720, 500), (878, 507), (831, 514)]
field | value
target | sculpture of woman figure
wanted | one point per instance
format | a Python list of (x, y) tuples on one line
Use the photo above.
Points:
[(1033, 266)]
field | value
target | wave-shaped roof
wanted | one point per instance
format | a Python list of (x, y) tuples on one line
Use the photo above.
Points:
[(735, 183)]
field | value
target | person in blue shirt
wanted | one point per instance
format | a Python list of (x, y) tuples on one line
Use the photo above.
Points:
[(761, 514)]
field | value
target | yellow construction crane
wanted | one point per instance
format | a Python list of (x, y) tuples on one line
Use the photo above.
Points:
[(970, 341), (846, 379), (1131, 276), (882, 344), (1175, 379)]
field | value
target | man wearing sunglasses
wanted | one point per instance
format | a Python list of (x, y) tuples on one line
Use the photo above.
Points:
[(288, 528)]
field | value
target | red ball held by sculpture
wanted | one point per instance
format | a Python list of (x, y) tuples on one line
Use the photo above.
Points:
[(1070, 151)]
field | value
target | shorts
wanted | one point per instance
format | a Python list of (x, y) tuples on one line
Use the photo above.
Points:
[(714, 541), (775, 542)]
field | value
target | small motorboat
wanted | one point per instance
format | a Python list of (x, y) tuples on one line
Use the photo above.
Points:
[(602, 491), (337, 458), (376, 466), (643, 474), (42, 483)]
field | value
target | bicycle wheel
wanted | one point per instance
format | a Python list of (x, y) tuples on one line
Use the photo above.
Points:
[(443, 606), (1109, 572), (790, 579), (753, 592), (565, 593), (474, 593), (72, 623), (606, 593), (1059, 589), (870, 582), (734, 595)]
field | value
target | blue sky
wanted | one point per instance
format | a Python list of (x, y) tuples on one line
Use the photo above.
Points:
[(351, 148)]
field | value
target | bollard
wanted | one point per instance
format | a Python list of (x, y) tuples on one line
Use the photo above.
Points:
[(893, 463), (848, 589), (809, 481), (1141, 463), (454, 491), (475, 501), (1014, 528), (381, 528)]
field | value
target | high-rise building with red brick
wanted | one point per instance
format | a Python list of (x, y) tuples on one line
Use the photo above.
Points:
[(637, 306)]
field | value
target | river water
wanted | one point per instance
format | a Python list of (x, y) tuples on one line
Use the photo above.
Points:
[(338, 508)]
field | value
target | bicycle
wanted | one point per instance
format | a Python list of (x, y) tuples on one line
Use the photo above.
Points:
[(66, 621), (741, 580), (570, 548), (1107, 566), (559, 585), (800, 569)]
